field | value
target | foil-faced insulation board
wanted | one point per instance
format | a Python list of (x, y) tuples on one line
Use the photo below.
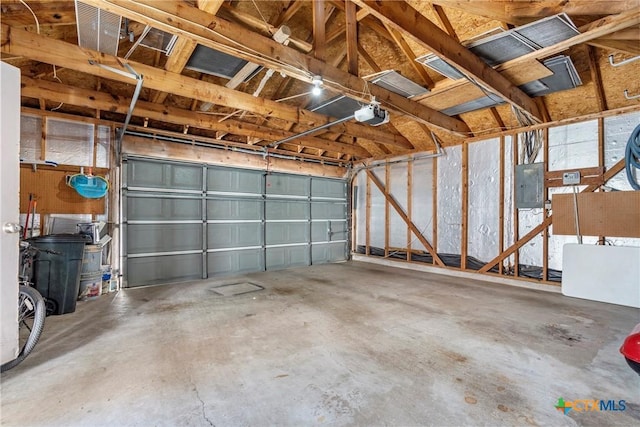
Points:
[(97, 29)]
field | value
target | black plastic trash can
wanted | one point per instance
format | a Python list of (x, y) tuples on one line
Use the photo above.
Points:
[(57, 276)]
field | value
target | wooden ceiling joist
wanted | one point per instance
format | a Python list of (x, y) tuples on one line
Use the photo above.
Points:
[(522, 12), (57, 92), (40, 48), (404, 18), (211, 31), (184, 47), (588, 33)]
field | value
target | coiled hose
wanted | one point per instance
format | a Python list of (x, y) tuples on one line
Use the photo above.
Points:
[(632, 157)]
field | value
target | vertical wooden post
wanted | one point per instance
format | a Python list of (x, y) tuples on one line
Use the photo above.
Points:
[(319, 45), (516, 224), (434, 207), (352, 37), (501, 205), (95, 144), (465, 206), (601, 157), (409, 205), (387, 189), (545, 189), (368, 218), (354, 215)]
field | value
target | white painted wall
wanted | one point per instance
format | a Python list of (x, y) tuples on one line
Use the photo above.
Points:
[(9, 210)]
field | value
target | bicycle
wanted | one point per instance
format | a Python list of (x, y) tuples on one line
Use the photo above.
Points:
[(31, 306)]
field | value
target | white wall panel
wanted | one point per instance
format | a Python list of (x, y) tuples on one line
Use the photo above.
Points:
[(422, 199), (450, 201), (484, 191)]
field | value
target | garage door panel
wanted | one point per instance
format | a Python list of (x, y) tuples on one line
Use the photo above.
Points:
[(151, 238), (235, 222), (328, 210), (228, 235), (280, 233), (290, 256), (329, 252), (329, 188), (234, 180), (235, 262), (324, 231), (289, 185), (163, 175), (286, 209), (234, 209), (162, 208), (163, 269)]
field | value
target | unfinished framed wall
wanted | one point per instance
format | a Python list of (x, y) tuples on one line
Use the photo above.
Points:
[(458, 210)]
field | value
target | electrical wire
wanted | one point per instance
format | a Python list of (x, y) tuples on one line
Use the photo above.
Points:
[(55, 76), (632, 157), (531, 140), (34, 16), (262, 16)]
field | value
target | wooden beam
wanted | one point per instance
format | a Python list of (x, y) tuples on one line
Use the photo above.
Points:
[(107, 102), (594, 68), (521, 12), (501, 204), (368, 59), (584, 118), (545, 211), (464, 238), (60, 53), (516, 212), (352, 37), (319, 43), (525, 68), (183, 49), (409, 205), (169, 150), (259, 26), (367, 237), (497, 118), (444, 21), (288, 13), (404, 217), (624, 46), (405, 18), (336, 32), (411, 56), (211, 31), (592, 31), (387, 213), (546, 116)]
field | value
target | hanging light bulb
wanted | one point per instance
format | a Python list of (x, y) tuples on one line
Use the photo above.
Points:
[(317, 86)]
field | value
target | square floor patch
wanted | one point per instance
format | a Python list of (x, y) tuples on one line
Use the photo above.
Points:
[(233, 289)]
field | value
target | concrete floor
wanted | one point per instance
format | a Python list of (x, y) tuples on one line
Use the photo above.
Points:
[(342, 344)]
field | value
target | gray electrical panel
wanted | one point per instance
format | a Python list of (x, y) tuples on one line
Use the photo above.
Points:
[(530, 186)]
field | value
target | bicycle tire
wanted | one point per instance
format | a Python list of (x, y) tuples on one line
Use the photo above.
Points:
[(31, 305)]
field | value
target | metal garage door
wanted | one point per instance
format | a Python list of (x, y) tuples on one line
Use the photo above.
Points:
[(186, 221)]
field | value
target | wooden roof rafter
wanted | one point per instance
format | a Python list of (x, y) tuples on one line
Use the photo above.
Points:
[(73, 57), (57, 92), (225, 36), (409, 21)]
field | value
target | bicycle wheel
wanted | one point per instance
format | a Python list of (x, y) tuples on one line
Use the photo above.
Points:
[(31, 314)]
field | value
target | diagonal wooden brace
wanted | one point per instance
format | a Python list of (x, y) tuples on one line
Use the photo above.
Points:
[(404, 217)]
